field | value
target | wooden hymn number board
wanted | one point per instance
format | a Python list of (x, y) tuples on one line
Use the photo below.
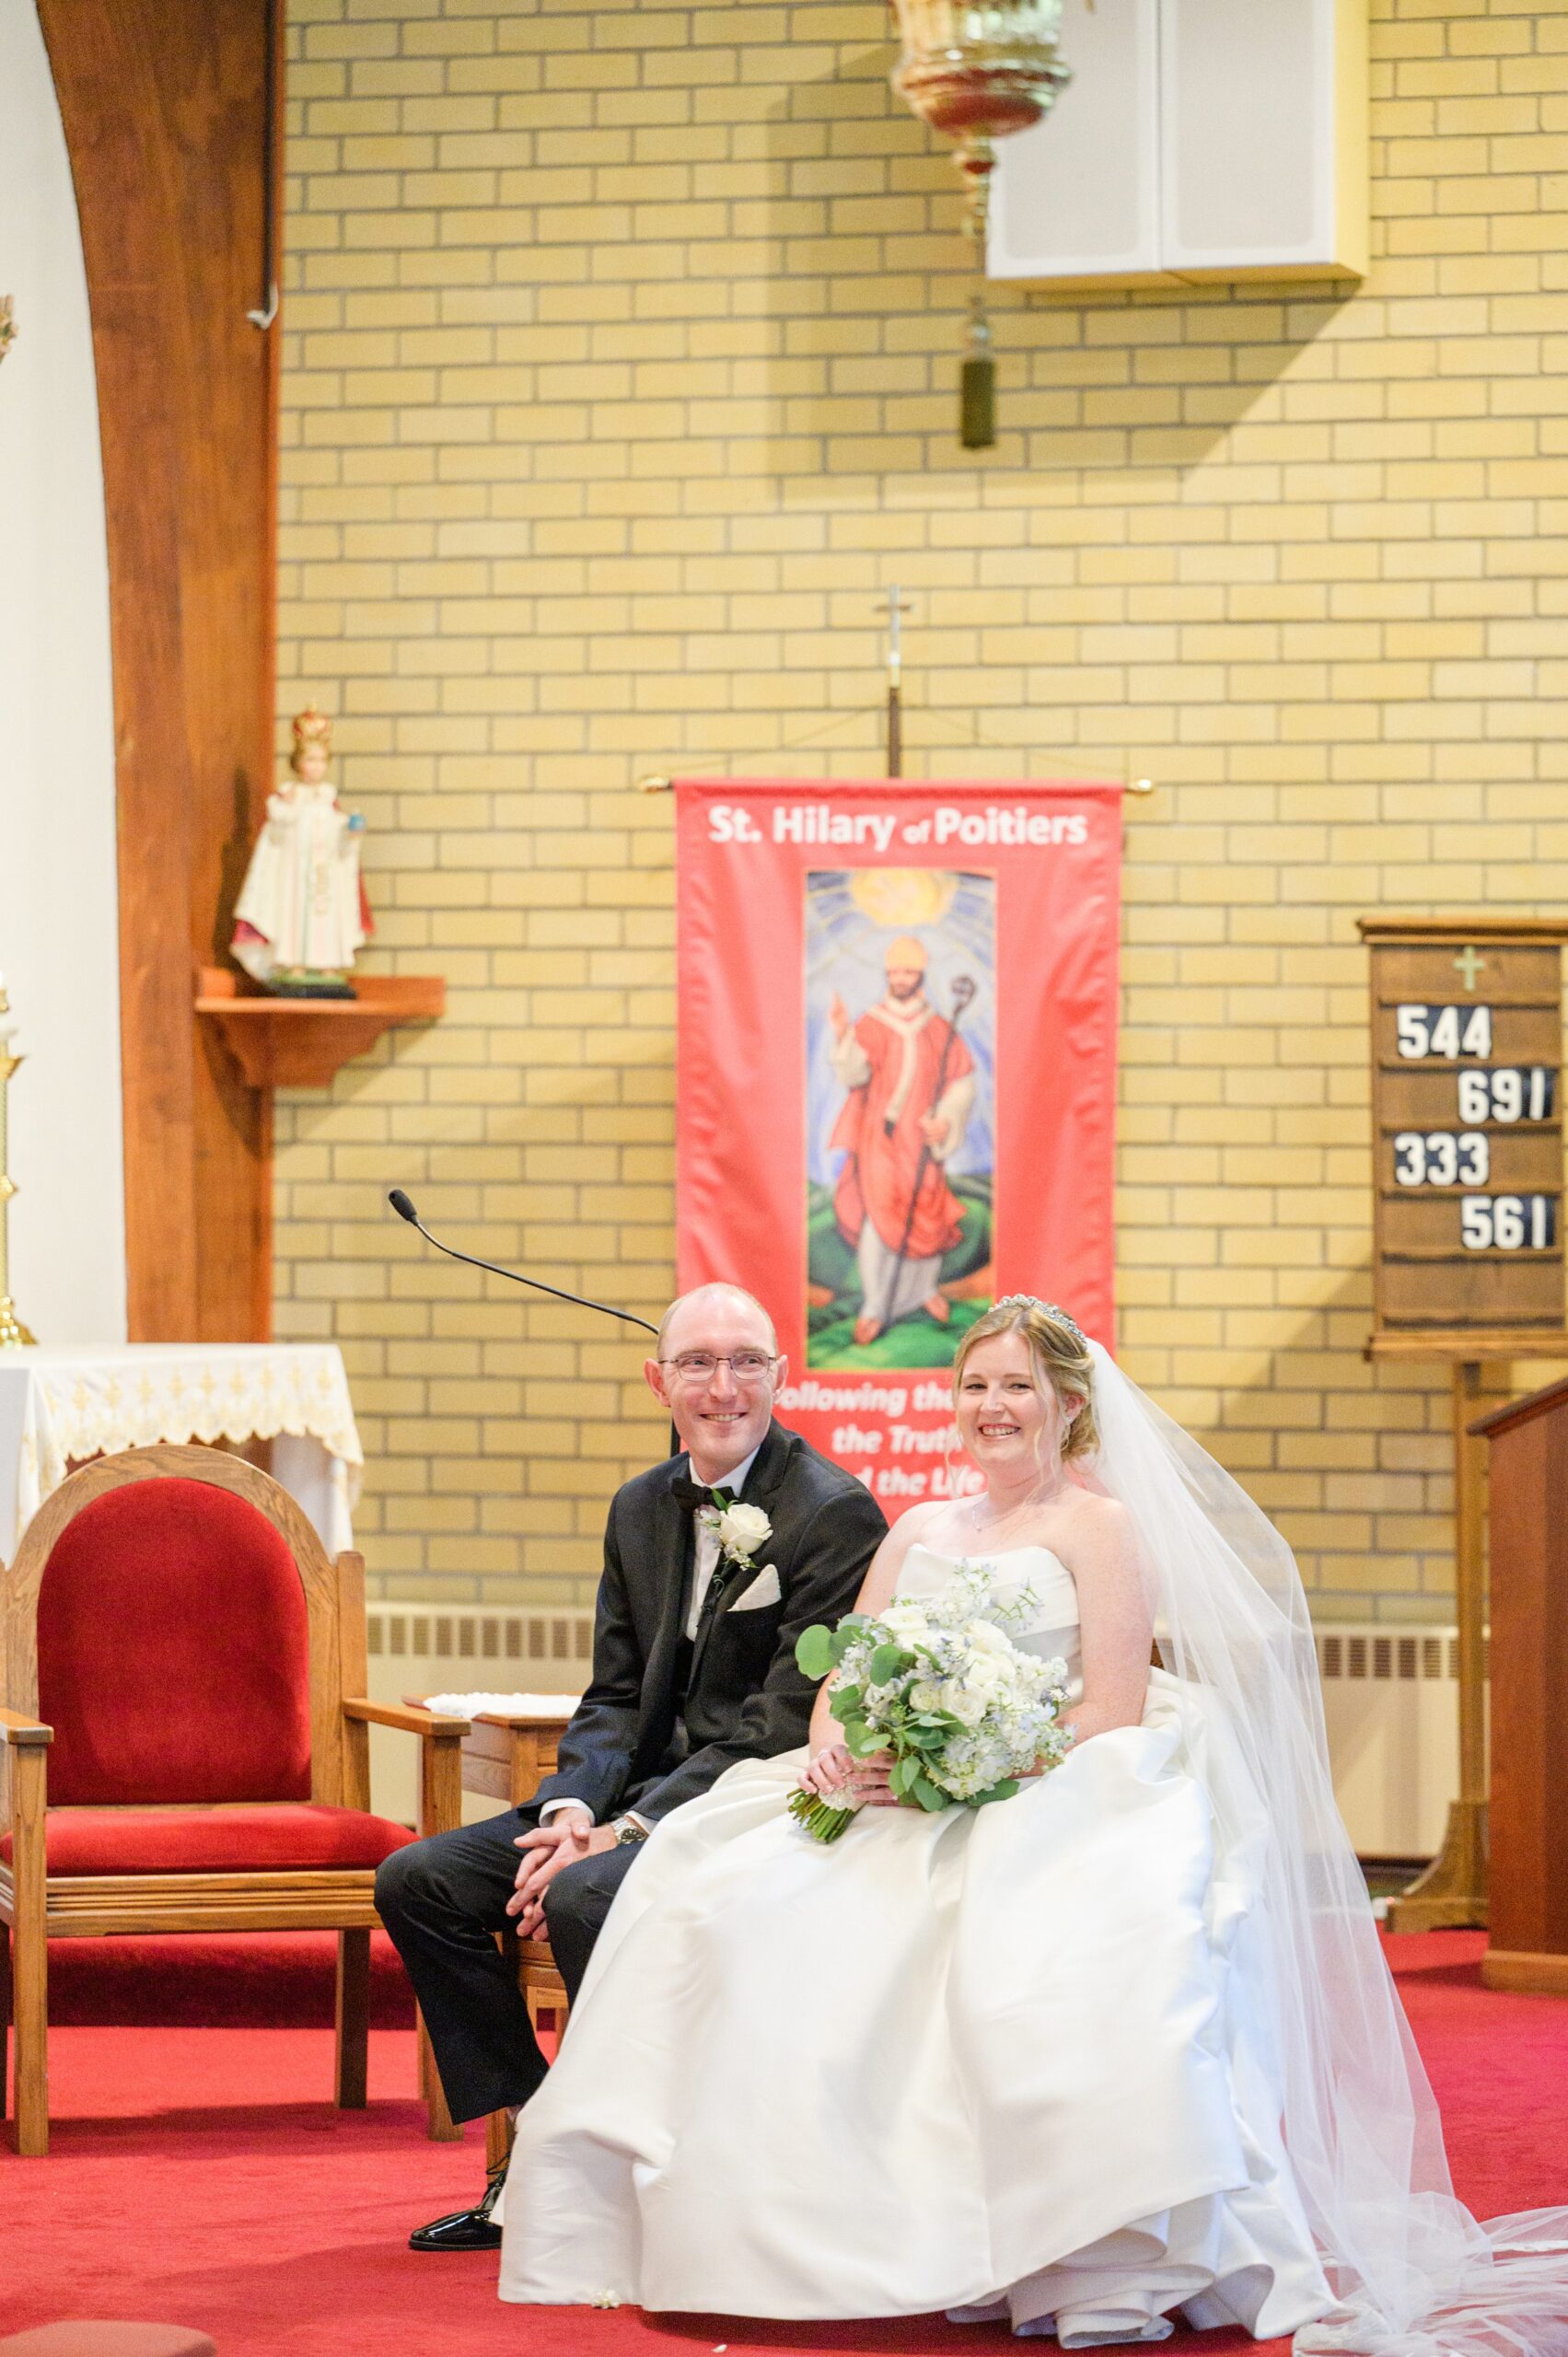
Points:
[(1466, 1113)]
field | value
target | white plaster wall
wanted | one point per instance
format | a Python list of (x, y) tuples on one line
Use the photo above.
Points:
[(58, 922)]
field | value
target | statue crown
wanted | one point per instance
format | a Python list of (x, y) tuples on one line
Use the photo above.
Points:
[(312, 729)]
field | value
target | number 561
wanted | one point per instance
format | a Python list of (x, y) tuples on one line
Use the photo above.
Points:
[(1506, 1222)]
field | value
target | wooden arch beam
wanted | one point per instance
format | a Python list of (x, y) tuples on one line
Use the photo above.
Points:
[(175, 152)]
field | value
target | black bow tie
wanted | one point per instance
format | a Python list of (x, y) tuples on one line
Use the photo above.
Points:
[(692, 1495)]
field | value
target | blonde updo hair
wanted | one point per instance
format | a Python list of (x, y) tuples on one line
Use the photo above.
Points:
[(1058, 1356)]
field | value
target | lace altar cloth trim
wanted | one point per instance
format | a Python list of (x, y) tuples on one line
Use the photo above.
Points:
[(81, 1405)]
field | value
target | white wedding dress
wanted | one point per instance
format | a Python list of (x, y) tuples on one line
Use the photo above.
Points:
[(1008, 2062)]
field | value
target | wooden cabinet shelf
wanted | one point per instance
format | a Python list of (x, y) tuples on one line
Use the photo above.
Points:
[(302, 1042)]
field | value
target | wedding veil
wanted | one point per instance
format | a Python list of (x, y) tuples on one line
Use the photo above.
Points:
[(1413, 2273)]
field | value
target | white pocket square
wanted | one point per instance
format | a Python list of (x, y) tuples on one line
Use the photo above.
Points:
[(764, 1589)]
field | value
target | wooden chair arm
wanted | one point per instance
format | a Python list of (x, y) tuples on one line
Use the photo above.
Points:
[(413, 1721), (17, 1728), (440, 1757), (530, 1720)]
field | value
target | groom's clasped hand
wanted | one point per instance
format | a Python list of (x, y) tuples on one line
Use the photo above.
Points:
[(547, 1848)]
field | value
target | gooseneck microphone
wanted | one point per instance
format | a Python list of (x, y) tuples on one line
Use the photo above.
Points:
[(405, 1210)]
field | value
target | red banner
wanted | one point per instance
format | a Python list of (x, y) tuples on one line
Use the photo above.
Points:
[(896, 1082)]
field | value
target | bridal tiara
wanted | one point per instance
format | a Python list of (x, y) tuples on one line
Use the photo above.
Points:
[(1051, 1309)]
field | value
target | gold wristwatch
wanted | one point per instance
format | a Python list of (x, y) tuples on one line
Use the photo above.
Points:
[(628, 1832)]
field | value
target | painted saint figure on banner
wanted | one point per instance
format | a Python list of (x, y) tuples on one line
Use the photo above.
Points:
[(910, 1091), (901, 1015)]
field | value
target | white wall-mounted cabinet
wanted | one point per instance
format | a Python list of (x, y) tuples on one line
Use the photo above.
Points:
[(1197, 140)]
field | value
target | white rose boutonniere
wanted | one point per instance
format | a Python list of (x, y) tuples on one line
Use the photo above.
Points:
[(743, 1531)]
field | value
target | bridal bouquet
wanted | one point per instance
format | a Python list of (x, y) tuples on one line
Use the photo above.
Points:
[(937, 1682)]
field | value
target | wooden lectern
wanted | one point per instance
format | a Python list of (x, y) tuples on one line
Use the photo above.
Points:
[(1529, 1692)]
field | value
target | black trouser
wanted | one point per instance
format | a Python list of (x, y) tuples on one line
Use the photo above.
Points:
[(443, 1900)]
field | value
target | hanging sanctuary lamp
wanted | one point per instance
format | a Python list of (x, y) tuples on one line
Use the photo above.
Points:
[(976, 71)]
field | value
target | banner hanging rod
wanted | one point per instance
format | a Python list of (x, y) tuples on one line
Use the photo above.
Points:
[(655, 782)]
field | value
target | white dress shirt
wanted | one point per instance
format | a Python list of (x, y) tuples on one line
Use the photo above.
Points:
[(705, 1551), (704, 1564)]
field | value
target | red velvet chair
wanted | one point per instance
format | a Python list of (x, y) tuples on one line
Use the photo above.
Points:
[(186, 1667)]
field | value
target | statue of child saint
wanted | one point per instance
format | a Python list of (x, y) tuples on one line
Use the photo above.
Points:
[(302, 912)]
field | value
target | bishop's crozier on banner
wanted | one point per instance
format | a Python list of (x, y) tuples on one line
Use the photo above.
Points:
[(896, 1082)]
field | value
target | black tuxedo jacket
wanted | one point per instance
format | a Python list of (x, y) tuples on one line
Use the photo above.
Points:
[(746, 1699)]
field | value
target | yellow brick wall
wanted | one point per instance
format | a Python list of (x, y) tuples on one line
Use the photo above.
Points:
[(619, 381)]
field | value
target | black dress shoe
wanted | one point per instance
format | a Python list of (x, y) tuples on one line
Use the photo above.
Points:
[(465, 2229)]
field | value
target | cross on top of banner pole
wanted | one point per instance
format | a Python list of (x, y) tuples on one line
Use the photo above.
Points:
[(895, 604)]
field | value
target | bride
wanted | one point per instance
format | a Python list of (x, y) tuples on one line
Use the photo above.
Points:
[(1117, 2050)]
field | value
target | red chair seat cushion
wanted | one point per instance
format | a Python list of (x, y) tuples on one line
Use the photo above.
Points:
[(247, 1838)]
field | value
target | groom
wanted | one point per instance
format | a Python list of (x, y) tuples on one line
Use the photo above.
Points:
[(693, 1669)]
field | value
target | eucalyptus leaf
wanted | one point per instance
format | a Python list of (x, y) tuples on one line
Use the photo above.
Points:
[(814, 1652), (887, 1662), (927, 1794)]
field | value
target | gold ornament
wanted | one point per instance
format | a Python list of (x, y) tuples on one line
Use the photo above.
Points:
[(977, 72), (13, 1335)]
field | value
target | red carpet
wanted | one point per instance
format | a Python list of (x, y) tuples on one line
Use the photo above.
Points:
[(201, 2176)]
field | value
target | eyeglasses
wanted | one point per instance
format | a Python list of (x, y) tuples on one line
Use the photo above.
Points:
[(696, 1366)]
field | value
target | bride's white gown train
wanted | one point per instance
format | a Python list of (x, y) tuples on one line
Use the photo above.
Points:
[(1012, 2062)]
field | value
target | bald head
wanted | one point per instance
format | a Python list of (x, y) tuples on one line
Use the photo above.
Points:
[(726, 1300)]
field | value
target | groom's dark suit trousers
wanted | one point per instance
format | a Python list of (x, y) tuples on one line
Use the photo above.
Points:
[(443, 1900)]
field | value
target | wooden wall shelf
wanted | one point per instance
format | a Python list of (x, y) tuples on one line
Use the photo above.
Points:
[(302, 1042)]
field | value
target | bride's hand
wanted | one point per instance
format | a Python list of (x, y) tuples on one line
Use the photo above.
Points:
[(828, 1772), (837, 1774)]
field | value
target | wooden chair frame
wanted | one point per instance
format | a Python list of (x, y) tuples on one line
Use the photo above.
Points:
[(36, 1907)]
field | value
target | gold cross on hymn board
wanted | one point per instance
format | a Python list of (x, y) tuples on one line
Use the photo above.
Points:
[(1469, 966)]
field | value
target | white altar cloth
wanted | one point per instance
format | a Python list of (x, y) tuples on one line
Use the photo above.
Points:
[(57, 1405)]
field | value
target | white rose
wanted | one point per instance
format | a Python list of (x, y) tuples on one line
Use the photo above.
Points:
[(965, 1705), (742, 1529), (925, 1695), (985, 1638), (987, 1677)]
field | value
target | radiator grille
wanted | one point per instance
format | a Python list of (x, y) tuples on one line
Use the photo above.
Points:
[(453, 1648), (420, 1632), (1390, 1706), (1368, 1652)]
